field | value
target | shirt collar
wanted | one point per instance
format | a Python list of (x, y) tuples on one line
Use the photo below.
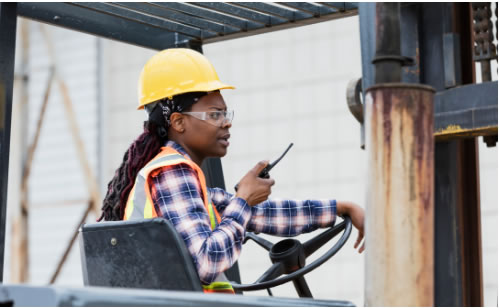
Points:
[(177, 147)]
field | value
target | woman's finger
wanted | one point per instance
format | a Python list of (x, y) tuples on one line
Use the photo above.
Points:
[(359, 239), (362, 248)]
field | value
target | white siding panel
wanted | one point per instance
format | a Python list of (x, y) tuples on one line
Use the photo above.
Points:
[(56, 162), (489, 204)]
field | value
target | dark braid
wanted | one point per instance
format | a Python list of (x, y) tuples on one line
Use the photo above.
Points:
[(142, 150)]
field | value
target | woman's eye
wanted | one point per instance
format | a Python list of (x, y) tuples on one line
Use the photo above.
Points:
[(214, 115)]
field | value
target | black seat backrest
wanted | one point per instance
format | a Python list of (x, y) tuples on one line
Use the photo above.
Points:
[(147, 253)]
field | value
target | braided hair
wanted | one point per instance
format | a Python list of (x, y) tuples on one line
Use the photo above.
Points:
[(142, 150)]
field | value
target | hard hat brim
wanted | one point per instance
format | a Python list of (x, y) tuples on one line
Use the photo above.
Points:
[(201, 87)]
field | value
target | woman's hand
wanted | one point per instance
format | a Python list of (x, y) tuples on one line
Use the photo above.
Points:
[(356, 213), (254, 189)]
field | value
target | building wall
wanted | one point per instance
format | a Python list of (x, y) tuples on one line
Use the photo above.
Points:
[(57, 190), (291, 87)]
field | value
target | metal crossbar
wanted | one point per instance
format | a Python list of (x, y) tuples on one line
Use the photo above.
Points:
[(173, 24)]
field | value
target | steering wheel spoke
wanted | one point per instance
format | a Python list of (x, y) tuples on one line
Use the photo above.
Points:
[(273, 272), (318, 241), (283, 255), (260, 241)]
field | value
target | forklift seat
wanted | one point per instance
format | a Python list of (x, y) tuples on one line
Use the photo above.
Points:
[(146, 254)]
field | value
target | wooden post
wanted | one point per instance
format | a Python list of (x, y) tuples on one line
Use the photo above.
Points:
[(71, 243), (75, 131), (19, 258)]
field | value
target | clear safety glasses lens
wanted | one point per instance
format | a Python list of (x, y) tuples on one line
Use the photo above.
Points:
[(217, 118)]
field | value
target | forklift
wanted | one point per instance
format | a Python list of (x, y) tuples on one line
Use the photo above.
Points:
[(420, 111)]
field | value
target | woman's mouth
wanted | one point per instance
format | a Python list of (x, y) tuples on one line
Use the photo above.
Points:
[(224, 140)]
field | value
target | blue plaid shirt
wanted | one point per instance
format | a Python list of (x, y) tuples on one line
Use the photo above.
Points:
[(177, 196)]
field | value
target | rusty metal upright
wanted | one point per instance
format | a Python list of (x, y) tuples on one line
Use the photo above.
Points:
[(400, 197)]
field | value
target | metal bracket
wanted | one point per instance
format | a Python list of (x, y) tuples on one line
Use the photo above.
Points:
[(354, 102)]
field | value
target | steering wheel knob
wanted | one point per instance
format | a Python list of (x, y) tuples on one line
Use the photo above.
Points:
[(289, 253)]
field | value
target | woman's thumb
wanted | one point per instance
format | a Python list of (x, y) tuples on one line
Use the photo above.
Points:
[(259, 167)]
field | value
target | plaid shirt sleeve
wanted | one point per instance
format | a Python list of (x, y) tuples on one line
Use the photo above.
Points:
[(177, 196), (283, 217)]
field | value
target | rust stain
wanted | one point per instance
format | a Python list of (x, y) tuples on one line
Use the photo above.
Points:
[(401, 130), (450, 129), (386, 112), (423, 128), (457, 130)]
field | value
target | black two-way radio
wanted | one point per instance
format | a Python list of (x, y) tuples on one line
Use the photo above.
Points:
[(265, 172)]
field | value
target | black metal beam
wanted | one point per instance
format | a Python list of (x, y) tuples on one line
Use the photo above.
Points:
[(241, 12), (342, 6), (283, 12), (387, 60), (153, 9), (457, 274), (242, 24), (162, 25), (367, 20), (315, 10), (97, 23), (119, 11), (336, 5), (8, 23), (467, 110), (448, 257)]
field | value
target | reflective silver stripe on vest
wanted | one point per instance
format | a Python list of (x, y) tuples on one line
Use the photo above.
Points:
[(139, 197)]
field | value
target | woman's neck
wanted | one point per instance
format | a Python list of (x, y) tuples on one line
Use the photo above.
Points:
[(195, 158)]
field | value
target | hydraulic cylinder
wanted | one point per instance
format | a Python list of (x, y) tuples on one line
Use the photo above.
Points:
[(400, 195)]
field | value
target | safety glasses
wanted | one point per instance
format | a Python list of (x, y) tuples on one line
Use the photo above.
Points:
[(217, 118)]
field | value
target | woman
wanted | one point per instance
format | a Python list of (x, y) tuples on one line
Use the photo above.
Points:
[(160, 175)]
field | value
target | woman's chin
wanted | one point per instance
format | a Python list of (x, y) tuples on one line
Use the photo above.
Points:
[(221, 152)]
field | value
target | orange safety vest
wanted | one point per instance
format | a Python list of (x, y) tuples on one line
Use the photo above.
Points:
[(140, 204)]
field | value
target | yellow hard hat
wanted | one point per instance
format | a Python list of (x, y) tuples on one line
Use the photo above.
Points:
[(177, 71)]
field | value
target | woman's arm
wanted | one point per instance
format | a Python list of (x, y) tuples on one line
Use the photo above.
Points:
[(177, 196), (283, 217), (293, 217)]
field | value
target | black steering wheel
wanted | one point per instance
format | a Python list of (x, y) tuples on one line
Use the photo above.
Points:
[(288, 257)]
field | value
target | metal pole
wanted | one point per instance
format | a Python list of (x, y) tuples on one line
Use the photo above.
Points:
[(8, 23), (399, 218), (400, 198), (388, 62)]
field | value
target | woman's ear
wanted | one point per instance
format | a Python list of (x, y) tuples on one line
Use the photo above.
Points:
[(177, 122)]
